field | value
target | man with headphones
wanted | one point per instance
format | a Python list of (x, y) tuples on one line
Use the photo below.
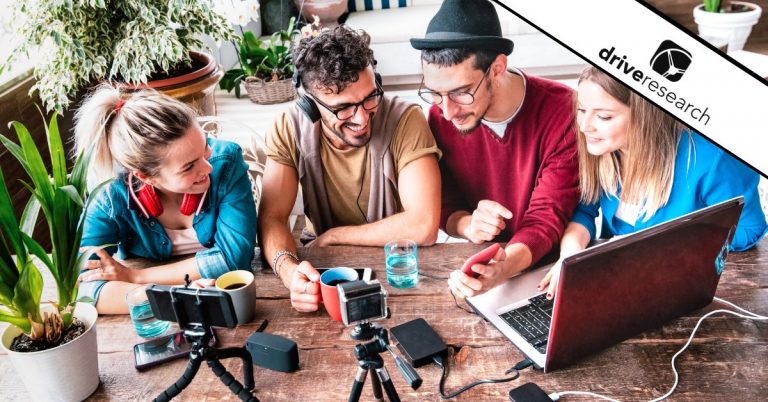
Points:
[(367, 163)]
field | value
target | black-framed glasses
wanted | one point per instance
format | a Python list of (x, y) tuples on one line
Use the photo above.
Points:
[(345, 112), (459, 97)]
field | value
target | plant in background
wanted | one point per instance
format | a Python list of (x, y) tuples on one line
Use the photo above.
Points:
[(713, 6), (63, 200), (80, 42), (267, 60), (717, 6)]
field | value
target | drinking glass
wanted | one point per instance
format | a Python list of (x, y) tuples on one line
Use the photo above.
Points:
[(142, 317), (402, 263)]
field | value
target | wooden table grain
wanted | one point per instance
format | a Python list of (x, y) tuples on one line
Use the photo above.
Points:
[(728, 359)]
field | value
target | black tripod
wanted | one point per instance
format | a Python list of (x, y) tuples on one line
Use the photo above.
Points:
[(201, 334), (368, 359)]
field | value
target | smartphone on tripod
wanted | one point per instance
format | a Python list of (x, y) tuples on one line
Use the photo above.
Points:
[(163, 349)]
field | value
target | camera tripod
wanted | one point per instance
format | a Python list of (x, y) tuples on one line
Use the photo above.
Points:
[(368, 359), (201, 334)]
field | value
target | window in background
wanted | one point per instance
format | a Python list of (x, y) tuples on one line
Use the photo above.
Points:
[(9, 40)]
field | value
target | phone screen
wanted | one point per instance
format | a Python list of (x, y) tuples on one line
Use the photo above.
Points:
[(162, 349)]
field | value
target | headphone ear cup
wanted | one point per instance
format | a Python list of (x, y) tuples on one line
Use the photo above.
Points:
[(190, 203), (309, 107), (150, 201)]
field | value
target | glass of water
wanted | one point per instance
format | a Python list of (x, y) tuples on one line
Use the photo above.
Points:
[(402, 263), (142, 317)]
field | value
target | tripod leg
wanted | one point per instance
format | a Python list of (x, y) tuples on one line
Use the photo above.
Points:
[(230, 381), (386, 381), (192, 367), (245, 356), (357, 386), (376, 384)]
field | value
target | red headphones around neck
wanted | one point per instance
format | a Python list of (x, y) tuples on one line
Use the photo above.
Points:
[(150, 205)]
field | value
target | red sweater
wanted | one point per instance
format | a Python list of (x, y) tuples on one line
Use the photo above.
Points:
[(532, 171)]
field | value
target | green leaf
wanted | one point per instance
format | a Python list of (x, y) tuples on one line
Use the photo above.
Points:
[(23, 323), (28, 291), (8, 223), (15, 150), (72, 193), (37, 250), (58, 155), (37, 171), (29, 216)]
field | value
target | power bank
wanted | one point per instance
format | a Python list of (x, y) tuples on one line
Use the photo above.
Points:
[(418, 342)]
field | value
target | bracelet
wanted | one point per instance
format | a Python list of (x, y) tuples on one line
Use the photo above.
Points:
[(276, 260)]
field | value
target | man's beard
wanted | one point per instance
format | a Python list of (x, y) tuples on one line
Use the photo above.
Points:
[(340, 134)]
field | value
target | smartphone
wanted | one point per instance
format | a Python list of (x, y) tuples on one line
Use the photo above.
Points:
[(163, 349), (363, 273), (483, 257)]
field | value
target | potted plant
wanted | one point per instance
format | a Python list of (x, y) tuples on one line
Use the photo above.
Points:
[(266, 67), (51, 345), (142, 43), (731, 22)]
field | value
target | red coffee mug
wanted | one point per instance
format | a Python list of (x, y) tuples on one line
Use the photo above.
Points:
[(328, 281)]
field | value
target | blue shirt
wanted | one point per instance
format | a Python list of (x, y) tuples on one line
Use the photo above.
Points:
[(710, 176), (226, 225)]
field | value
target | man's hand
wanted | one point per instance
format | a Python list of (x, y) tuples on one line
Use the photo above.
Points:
[(487, 221), (107, 269), (491, 275), (305, 288)]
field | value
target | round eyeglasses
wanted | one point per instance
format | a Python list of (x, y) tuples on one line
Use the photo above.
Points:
[(458, 97)]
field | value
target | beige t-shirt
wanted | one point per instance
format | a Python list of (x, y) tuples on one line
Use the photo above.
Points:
[(346, 173)]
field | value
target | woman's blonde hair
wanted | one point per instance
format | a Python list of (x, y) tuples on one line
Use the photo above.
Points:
[(129, 131), (646, 172)]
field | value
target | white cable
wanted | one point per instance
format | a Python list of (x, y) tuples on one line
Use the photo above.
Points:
[(748, 315)]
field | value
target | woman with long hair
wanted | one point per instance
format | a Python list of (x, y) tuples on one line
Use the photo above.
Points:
[(175, 193), (640, 167)]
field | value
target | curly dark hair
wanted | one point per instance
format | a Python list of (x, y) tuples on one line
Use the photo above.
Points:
[(334, 59)]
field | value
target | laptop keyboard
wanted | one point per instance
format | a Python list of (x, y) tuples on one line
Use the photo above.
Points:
[(532, 321)]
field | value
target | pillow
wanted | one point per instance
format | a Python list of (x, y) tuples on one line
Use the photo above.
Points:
[(368, 5)]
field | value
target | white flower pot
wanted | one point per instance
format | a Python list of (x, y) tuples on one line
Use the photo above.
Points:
[(69, 372), (733, 27)]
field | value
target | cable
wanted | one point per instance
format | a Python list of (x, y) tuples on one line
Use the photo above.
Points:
[(443, 367), (747, 314)]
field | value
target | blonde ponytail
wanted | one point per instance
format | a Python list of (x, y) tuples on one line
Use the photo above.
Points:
[(91, 130), (130, 137)]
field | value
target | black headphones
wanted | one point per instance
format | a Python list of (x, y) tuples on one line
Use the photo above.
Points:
[(308, 105)]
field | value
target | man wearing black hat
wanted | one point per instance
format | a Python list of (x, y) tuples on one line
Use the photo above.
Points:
[(509, 166)]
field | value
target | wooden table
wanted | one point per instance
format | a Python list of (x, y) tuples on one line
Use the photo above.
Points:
[(728, 360)]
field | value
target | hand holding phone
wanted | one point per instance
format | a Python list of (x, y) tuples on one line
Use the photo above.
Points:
[(483, 257)]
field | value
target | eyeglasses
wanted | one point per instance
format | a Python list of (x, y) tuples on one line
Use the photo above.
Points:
[(346, 112), (459, 97)]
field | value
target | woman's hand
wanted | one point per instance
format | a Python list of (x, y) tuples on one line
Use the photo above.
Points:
[(550, 279), (107, 269)]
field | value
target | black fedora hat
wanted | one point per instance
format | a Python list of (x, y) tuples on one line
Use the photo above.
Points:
[(470, 24)]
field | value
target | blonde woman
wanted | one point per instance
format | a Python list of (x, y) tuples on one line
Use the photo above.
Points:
[(640, 167), (175, 193)]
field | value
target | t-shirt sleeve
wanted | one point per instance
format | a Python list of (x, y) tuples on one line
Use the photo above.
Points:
[(279, 144), (413, 139)]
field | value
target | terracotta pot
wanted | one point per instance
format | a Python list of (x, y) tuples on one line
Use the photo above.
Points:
[(328, 11), (195, 88), (69, 372)]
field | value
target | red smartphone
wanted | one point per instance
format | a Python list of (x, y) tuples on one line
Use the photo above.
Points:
[(483, 257)]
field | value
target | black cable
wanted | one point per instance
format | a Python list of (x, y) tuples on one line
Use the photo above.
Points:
[(443, 367), (362, 183)]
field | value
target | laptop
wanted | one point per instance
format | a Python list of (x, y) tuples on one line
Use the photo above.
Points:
[(615, 290)]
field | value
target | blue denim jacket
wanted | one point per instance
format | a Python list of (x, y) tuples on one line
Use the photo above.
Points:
[(226, 224)]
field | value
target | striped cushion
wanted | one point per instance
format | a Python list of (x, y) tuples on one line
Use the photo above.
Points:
[(367, 5)]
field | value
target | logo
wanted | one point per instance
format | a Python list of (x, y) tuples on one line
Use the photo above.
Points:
[(671, 60)]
